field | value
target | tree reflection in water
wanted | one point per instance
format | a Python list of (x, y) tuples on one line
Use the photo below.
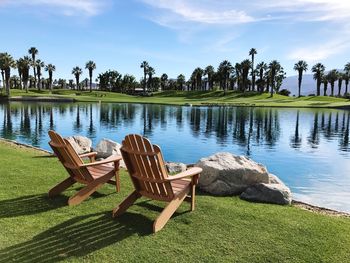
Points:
[(243, 126)]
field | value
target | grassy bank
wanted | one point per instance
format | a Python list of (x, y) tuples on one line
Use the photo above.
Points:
[(35, 228), (198, 98)]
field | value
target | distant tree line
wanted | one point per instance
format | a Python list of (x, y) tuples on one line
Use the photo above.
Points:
[(241, 77)]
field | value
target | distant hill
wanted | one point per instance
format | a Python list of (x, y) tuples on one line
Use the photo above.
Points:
[(308, 85)]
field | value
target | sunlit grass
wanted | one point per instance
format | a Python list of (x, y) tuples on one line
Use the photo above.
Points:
[(197, 98), (34, 228)]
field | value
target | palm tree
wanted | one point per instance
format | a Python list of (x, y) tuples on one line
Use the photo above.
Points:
[(209, 71), (318, 70), (346, 76), (39, 65), (14, 80), (274, 68), (252, 53), (150, 73), (261, 67), (197, 77), (246, 65), (225, 69), (145, 66), (25, 63), (163, 81), (340, 82), (238, 73), (300, 66), (76, 71), (181, 80), (90, 65), (34, 51), (325, 84), (50, 68), (332, 77), (6, 63), (19, 63)]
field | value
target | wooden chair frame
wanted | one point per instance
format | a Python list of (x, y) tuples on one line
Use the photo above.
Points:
[(146, 168), (93, 174)]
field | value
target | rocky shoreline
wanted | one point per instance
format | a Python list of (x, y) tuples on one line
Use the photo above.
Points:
[(257, 191)]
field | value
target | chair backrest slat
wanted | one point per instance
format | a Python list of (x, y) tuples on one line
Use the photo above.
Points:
[(146, 167), (68, 157)]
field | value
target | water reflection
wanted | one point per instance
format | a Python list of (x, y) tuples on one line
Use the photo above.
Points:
[(244, 126), (308, 149)]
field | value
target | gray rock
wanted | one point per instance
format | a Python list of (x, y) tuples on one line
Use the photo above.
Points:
[(106, 148), (227, 174), (80, 144), (273, 179), (174, 168), (268, 193)]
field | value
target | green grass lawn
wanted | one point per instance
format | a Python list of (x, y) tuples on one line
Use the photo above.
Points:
[(198, 98), (34, 228)]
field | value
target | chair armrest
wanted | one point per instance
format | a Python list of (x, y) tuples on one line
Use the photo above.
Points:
[(111, 159), (188, 173), (87, 154)]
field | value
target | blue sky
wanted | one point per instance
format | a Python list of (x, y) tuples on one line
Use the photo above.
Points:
[(175, 36)]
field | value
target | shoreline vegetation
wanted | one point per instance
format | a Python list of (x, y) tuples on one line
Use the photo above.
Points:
[(185, 98), (240, 77), (295, 203), (241, 229)]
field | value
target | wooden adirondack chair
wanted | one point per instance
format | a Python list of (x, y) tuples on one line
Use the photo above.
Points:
[(93, 174), (148, 173)]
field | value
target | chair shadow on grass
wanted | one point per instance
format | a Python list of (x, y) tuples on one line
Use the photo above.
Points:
[(77, 237), (34, 204), (30, 204)]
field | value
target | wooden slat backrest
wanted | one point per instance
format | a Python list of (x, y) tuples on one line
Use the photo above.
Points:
[(68, 157), (146, 167)]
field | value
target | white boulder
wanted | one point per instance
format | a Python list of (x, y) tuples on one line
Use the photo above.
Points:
[(174, 168), (277, 193), (106, 148), (228, 174), (80, 144)]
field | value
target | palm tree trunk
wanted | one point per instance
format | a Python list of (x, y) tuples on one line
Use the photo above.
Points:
[(332, 89), (318, 87), (253, 75), (299, 84), (3, 78), (144, 81)]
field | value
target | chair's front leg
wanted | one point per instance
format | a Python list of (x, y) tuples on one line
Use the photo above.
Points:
[(194, 182), (123, 206), (61, 186), (168, 211), (117, 176), (88, 190), (92, 158)]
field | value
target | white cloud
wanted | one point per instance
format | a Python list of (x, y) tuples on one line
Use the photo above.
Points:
[(226, 12), (192, 11), (319, 52), (64, 7), (227, 15)]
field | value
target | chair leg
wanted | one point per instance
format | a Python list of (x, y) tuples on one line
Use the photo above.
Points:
[(88, 190), (123, 206), (168, 211), (117, 181), (61, 186), (193, 197)]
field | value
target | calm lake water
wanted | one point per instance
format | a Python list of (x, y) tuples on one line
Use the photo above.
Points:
[(307, 148)]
